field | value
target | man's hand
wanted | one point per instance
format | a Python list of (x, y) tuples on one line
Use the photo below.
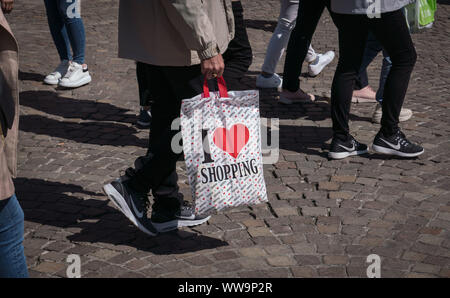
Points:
[(213, 67), (7, 5)]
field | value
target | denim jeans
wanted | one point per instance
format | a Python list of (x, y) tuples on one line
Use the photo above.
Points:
[(280, 38), (12, 258), (373, 47), (67, 28)]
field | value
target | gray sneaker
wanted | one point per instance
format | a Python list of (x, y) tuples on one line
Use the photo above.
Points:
[(132, 204), (185, 217)]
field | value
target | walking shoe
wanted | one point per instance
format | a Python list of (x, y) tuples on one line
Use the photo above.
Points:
[(275, 81), (59, 72), (319, 64), (366, 94), (287, 97), (144, 119), (405, 114), (396, 144), (132, 204), (76, 76), (341, 149), (185, 217)]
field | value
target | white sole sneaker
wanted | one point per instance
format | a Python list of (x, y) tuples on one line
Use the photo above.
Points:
[(324, 59), (51, 81), (178, 223), (123, 207), (342, 155), (81, 82), (388, 151), (275, 81)]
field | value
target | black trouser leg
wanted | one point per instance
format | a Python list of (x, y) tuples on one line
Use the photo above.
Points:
[(309, 13), (238, 56), (169, 86), (399, 45), (352, 40), (143, 84)]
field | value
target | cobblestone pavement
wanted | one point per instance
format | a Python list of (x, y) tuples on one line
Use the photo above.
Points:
[(324, 217)]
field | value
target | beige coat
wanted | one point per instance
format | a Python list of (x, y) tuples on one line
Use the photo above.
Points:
[(174, 32), (9, 108)]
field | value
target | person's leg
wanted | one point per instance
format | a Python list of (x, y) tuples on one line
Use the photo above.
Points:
[(385, 70), (352, 39), (69, 11), (371, 51), (144, 118), (238, 56), (280, 37), (12, 258), (308, 16), (173, 85), (58, 30), (400, 48)]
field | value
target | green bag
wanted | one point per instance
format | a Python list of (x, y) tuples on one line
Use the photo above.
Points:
[(420, 14)]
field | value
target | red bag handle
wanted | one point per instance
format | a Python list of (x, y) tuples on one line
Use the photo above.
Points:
[(223, 92)]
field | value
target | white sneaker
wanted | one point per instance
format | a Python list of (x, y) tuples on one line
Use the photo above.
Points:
[(319, 64), (405, 114), (287, 97), (58, 73), (274, 81), (76, 76)]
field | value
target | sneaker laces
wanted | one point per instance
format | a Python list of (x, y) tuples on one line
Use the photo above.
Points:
[(401, 139)]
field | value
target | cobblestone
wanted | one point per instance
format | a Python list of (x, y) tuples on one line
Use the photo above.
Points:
[(323, 218)]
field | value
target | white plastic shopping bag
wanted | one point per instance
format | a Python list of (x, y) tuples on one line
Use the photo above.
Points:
[(222, 148)]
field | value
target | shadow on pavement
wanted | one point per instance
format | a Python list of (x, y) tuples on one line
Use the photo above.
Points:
[(91, 220), (52, 103), (31, 76), (264, 25), (92, 132)]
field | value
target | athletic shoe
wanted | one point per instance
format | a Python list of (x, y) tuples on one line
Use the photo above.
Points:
[(185, 217), (341, 149), (319, 64), (274, 81), (366, 94), (132, 204), (76, 76), (396, 144), (57, 74), (144, 119), (287, 97), (405, 114)]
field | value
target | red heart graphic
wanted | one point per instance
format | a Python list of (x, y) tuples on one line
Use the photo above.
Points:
[(233, 140)]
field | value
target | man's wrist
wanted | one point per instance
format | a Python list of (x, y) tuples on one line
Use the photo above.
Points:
[(211, 51)]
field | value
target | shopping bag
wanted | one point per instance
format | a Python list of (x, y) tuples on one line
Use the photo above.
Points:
[(222, 148), (420, 15)]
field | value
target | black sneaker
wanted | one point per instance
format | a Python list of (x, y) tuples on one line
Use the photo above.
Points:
[(185, 217), (131, 203), (396, 144), (144, 119), (341, 149)]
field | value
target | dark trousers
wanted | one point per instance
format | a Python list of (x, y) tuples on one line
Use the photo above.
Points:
[(157, 172), (143, 84), (309, 13), (238, 56), (392, 32)]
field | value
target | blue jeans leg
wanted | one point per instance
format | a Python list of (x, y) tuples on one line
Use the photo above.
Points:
[(70, 14), (373, 47), (385, 69), (12, 258), (58, 30)]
